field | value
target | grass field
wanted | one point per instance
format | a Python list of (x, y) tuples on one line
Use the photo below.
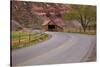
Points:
[(75, 30), (24, 39)]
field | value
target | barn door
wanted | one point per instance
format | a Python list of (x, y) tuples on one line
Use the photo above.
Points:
[(51, 27)]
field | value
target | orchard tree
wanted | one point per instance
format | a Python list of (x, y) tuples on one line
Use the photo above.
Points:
[(85, 14)]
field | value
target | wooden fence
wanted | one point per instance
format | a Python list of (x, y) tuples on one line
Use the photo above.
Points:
[(28, 39), (88, 29)]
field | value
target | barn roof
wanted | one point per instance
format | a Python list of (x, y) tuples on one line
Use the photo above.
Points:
[(46, 22), (58, 21)]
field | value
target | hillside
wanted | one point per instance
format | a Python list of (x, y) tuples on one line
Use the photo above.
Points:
[(23, 15), (32, 15)]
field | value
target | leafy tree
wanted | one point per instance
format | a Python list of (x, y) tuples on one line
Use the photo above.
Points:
[(84, 14)]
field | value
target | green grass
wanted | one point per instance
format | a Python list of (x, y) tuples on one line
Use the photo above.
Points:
[(25, 39), (15, 35)]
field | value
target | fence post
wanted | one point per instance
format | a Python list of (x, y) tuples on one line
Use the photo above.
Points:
[(19, 38), (89, 28), (29, 37), (80, 29)]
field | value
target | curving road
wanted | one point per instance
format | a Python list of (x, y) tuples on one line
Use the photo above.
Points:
[(60, 48)]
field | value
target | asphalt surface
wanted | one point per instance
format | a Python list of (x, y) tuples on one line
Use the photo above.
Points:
[(60, 48)]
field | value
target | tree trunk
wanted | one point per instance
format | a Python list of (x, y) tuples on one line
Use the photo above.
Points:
[(84, 29)]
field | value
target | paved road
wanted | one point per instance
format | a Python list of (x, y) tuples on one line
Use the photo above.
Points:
[(60, 48)]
